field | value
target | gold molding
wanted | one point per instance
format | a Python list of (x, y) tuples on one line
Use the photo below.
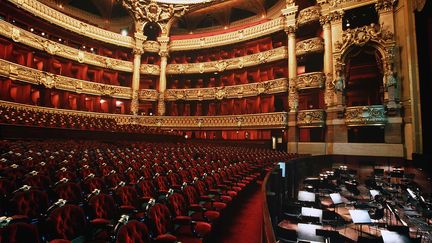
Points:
[(311, 80), (49, 80), (150, 69), (276, 54), (250, 121), (308, 46), (309, 15), (362, 35), (51, 15), (245, 34), (228, 92), (53, 48), (148, 94), (311, 118), (374, 115)]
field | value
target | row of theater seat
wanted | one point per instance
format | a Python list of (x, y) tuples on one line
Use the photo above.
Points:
[(17, 116), (126, 192)]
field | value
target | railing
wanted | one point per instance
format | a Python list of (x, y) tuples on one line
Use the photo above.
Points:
[(234, 91), (311, 80), (276, 54), (374, 115), (267, 233), (311, 118), (308, 15), (249, 121), (51, 15), (308, 46)]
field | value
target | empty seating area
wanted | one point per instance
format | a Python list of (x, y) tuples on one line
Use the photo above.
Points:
[(125, 192)]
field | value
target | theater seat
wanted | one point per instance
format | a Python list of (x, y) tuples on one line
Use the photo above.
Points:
[(133, 232), (30, 203), (19, 233), (66, 222)]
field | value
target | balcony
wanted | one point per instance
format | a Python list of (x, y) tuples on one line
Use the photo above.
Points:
[(374, 115), (311, 80), (311, 118), (313, 45), (308, 15)]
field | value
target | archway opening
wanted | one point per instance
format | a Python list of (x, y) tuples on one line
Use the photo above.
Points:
[(152, 31), (364, 75)]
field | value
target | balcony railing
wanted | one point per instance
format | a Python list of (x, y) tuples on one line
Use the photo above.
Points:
[(308, 46), (227, 92), (374, 115), (311, 80), (311, 118), (308, 15)]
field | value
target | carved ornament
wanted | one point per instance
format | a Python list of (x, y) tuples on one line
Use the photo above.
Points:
[(311, 80), (362, 35), (311, 118), (308, 15), (365, 115), (308, 46)]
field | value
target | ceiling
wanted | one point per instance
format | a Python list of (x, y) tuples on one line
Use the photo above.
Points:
[(219, 14)]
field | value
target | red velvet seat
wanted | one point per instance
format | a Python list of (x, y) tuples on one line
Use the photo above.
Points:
[(31, 203), (69, 191), (133, 232), (67, 222), (19, 233), (196, 204)]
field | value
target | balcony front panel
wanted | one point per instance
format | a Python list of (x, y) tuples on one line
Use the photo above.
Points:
[(313, 45), (51, 15), (34, 76), (279, 53), (374, 115), (311, 118), (308, 15), (254, 121), (53, 48), (311, 80), (245, 34), (227, 92)]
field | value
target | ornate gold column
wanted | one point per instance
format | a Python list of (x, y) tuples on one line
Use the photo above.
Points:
[(137, 51), (290, 28), (162, 79), (335, 19), (328, 62)]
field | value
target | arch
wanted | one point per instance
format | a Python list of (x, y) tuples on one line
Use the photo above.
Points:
[(152, 30)]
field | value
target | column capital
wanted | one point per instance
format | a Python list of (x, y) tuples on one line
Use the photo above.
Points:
[(290, 30), (331, 17), (138, 51)]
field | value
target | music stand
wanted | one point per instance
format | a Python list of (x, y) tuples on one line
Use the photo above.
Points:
[(312, 212), (304, 196), (394, 237), (307, 232), (360, 217)]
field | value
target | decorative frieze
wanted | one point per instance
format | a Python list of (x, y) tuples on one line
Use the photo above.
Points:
[(151, 46), (245, 34), (279, 53), (308, 15), (311, 80), (227, 92), (69, 23), (150, 69), (311, 118), (362, 35), (308, 46), (49, 80), (385, 5), (365, 115), (53, 48)]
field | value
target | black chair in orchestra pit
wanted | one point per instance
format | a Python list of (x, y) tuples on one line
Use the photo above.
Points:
[(285, 235), (363, 239), (332, 235)]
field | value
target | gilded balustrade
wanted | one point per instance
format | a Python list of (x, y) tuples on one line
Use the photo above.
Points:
[(276, 54), (309, 15), (58, 18), (308, 46), (249, 121), (311, 80), (49, 80), (234, 91), (311, 118), (374, 115)]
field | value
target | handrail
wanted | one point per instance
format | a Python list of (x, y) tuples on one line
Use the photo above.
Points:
[(267, 233)]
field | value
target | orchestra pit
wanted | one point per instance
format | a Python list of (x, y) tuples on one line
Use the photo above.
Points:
[(215, 121)]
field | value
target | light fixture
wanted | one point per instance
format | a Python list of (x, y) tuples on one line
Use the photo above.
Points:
[(119, 103), (91, 49), (124, 32), (31, 29), (43, 33), (84, 47), (60, 39), (102, 101)]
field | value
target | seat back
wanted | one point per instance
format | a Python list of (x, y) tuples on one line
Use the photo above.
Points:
[(30, 203), (102, 206), (66, 222), (160, 217), (19, 233), (133, 232)]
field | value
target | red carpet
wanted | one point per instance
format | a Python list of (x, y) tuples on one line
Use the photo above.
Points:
[(243, 224)]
